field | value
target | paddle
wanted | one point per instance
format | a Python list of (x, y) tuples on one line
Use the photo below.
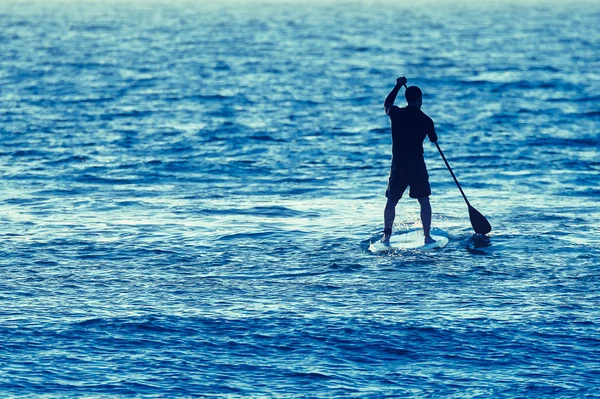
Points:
[(478, 221)]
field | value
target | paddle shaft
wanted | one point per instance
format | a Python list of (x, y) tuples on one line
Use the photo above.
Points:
[(452, 173)]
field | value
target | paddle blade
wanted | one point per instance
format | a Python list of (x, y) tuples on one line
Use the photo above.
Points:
[(479, 222)]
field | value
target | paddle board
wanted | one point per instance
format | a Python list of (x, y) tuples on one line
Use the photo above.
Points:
[(408, 241)]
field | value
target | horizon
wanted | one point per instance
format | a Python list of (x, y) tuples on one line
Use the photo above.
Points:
[(309, 2)]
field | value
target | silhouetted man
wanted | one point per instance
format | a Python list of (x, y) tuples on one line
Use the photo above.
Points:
[(410, 125)]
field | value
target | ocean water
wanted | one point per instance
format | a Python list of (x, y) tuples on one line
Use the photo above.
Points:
[(188, 191)]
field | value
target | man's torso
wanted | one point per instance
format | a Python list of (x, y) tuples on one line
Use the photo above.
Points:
[(410, 125)]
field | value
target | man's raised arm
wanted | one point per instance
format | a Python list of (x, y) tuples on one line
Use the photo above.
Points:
[(389, 100)]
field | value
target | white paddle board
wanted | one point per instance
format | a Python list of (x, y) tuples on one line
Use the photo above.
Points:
[(408, 241)]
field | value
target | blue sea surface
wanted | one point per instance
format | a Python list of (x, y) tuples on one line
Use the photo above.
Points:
[(188, 191)]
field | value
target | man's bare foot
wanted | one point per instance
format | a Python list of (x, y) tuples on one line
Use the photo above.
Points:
[(429, 240)]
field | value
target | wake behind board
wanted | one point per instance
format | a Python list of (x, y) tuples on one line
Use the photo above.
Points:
[(408, 241)]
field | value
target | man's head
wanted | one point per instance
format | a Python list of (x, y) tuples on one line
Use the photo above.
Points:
[(414, 96)]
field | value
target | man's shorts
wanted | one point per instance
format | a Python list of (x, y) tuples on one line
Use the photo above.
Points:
[(411, 174)]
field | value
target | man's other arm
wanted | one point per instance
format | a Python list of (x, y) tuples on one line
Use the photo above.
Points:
[(431, 132)]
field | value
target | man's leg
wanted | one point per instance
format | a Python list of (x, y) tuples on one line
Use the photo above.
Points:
[(389, 214), (426, 218)]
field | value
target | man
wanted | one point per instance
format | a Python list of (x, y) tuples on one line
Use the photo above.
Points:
[(410, 125)]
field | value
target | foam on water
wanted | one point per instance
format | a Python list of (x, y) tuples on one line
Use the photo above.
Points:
[(187, 190)]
